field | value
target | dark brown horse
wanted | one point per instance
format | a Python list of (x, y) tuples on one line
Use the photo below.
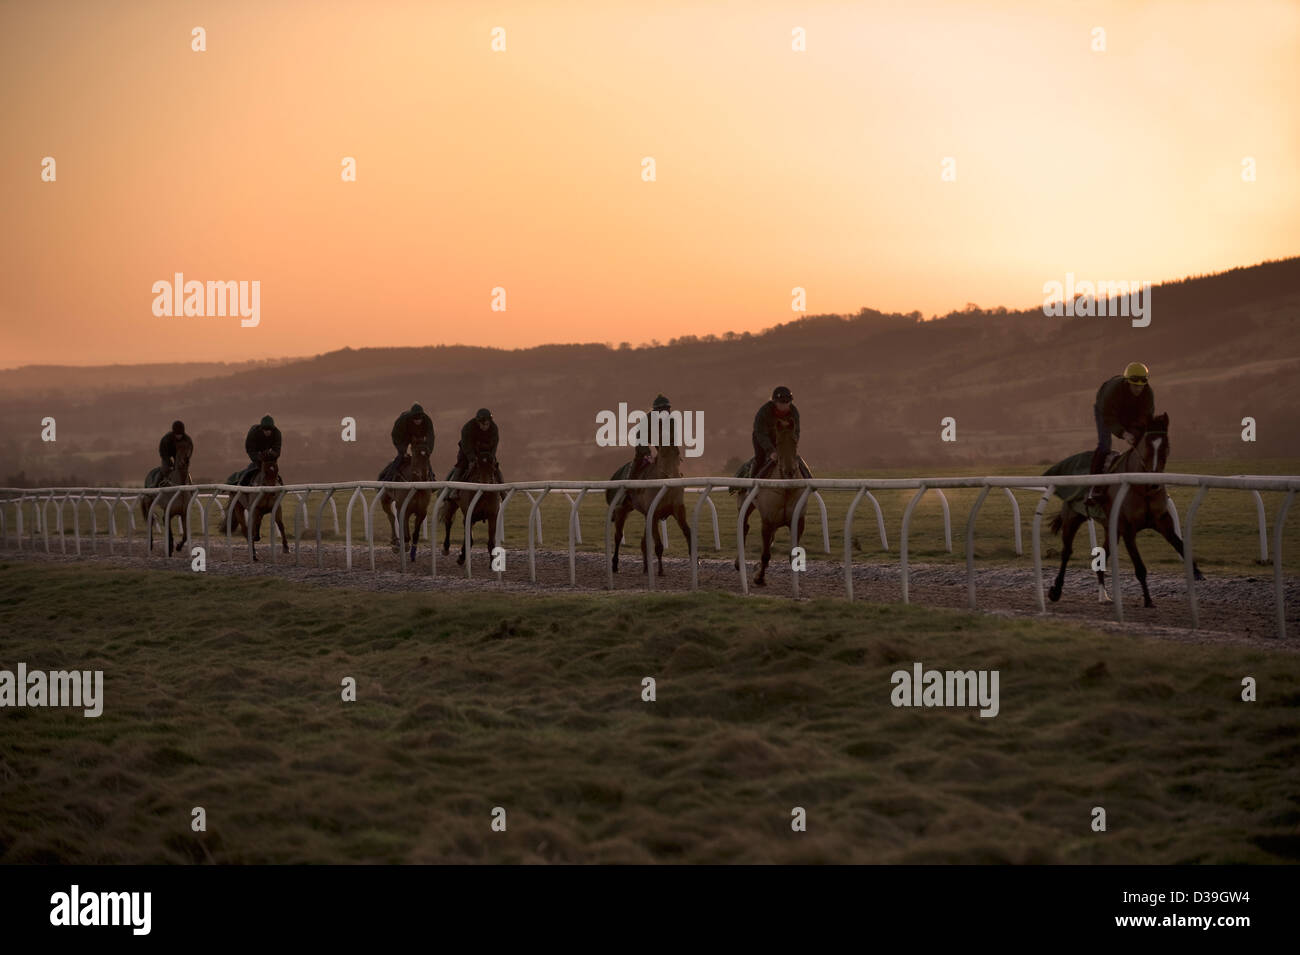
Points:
[(177, 505), (267, 476), (1145, 506), (776, 505), (482, 470), (668, 464), (415, 467)]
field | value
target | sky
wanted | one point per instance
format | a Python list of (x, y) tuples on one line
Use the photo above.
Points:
[(522, 169)]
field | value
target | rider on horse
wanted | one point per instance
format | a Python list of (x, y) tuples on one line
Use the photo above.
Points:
[(262, 443), (412, 428), (167, 447), (1124, 408), (645, 455), (781, 406), (479, 435)]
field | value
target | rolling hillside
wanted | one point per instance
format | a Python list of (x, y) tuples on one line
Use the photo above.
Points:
[(872, 389)]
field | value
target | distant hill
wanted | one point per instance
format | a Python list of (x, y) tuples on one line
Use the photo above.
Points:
[(872, 389)]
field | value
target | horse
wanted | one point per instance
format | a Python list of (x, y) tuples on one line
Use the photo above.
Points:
[(775, 505), (268, 476), (668, 464), (482, 470), (179, 503), (415, 467), (1145, 506)]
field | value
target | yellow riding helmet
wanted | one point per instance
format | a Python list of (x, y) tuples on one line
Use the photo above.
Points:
[(1136, 371)]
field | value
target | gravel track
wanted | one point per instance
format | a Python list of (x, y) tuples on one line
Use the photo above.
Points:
[(1232, 610)]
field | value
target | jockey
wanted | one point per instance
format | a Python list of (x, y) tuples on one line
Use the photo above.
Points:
[(413, 428), (167, 447), (764, 436), (262, 443), (479, 434), (1124, 408), (645, 455)]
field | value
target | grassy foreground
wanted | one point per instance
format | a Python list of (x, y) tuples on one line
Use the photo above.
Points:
[(225, 693)]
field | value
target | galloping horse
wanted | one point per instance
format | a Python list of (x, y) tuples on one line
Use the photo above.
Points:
[(415, 467), (179, 504), (482, 470), (776, 505), (668, 464), (1145, 506), (267, 476)]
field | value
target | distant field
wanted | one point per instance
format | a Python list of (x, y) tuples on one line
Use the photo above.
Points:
[(224, 693), (1227, 535)]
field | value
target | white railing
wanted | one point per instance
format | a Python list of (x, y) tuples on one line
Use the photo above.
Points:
[(202, 495)]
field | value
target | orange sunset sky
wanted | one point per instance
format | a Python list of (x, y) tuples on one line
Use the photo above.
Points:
[(522, 169)]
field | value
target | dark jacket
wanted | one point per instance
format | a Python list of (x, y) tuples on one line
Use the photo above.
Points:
[(667, 434), (474, 439), (765, 426), (256, 443), (167, 446), (412, 429), (1121, 410)]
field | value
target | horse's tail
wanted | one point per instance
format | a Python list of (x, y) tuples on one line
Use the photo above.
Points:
[(619, 475)]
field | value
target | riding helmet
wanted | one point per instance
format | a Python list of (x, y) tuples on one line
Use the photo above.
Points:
[(782, 393), (417, 409), (1137, 372), (662, 402), (268, 421), (178, 427), (483, 415)]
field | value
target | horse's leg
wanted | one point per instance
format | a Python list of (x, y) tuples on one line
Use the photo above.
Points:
[(414, 536), (448, 519), (1070, 522), (284, 538), (1139, 568), (256, 515), (744, 536), (769, 532), (1102, 596), (679, 515), (1164, 526), (392, 522), (255, 529), (620, 518), (651, 536), (469, 527)]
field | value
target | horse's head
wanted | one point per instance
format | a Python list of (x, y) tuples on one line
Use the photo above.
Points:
[(270, 472), (421, 469), (184, 451), (482, 470), (670, 460), (1152, 449), (787, 450)]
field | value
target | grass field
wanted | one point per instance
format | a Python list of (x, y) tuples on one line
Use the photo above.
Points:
[(225, 693), (1226, 541)]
